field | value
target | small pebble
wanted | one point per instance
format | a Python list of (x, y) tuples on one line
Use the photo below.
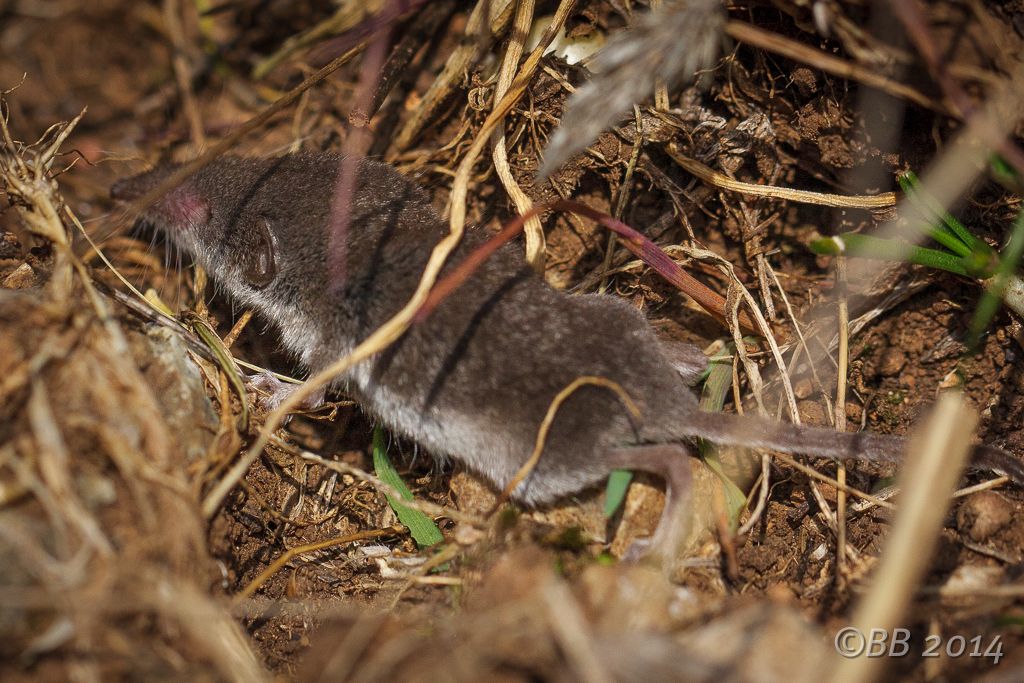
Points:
[(22, 277), (892, 361), (803, 388), (812, 412), (983, 514)]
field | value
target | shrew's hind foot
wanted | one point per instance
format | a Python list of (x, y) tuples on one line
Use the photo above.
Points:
[(672, 463)]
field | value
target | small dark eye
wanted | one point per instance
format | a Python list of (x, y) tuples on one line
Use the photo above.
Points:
[(261, 266)]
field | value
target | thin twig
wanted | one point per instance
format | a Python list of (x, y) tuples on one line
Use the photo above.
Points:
[(815, 474), (840, 409)]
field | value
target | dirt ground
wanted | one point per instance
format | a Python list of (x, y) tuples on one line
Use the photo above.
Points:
[(115, 431)]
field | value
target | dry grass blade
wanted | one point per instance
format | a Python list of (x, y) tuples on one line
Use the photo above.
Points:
[(212, 631), (55, 472), (488, 20), (759, 324), (937, 455), (736, 292), (222, 356), (570, 628), (419, 574), (649, 253), (499, 153), (713, 177), (840, 407), (845, 488)]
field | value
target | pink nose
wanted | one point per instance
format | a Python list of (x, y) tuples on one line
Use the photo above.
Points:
[(182, 207)]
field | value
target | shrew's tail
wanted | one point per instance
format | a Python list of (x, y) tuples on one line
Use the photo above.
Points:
[(754, 432)]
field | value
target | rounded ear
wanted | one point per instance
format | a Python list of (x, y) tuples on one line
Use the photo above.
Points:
[(259, 267)]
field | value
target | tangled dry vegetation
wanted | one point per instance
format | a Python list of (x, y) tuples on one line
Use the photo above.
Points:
[(149, 529)]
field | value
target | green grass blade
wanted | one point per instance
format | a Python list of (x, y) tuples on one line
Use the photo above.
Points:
[(225, 361), (717, 385), (421, 527), (868, 246), (950, 233), (1005, 174), (1009, 259), (615, 491)]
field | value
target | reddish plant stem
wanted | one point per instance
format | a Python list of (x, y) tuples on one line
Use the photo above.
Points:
[(641, 246), (356, 144)]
